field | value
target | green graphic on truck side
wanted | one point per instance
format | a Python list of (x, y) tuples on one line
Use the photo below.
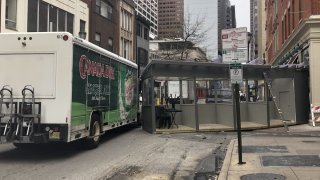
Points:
[(102, 84)]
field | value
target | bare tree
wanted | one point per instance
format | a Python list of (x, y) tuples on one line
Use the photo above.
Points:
[(194, 33)]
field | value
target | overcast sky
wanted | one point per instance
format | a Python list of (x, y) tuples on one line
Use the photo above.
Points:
[(242, 13)]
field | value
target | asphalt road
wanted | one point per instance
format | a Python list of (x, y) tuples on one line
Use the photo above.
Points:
[(127, 153)]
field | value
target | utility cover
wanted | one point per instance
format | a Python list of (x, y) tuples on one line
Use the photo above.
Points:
[(264, 149), (293, 160), (263, 176)]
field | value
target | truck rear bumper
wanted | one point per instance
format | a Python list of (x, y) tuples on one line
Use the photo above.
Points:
[(43, 133)]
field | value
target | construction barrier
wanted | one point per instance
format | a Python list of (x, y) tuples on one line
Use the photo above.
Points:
[(315, 114)]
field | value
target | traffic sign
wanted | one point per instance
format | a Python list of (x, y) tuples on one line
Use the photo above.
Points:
[(234, 55), (236, 73), (234, 45)]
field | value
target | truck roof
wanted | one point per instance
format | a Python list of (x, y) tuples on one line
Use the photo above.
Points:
[(82, 43)]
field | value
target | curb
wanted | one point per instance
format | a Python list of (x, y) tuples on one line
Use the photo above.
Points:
[(223, 175)]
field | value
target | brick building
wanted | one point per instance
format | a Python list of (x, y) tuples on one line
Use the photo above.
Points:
[(103, 24), (292, 38), (112, 26), (170, 17), (284, 17)]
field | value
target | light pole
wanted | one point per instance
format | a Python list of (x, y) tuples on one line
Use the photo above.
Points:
[(249, 40)]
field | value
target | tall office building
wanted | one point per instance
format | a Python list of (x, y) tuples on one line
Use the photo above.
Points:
[(149, 10), (207, 9), (254, 29), (170, 16), (261, 34), (226, 18)]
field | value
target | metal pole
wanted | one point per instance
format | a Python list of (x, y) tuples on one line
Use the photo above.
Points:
[(248, 60), (237, 109), (196, 104), (267, 100)]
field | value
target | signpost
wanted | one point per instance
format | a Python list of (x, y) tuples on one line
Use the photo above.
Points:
[(234, 51), (236, 77)]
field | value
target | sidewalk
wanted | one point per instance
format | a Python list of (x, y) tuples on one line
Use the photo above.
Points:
[(274, 157)]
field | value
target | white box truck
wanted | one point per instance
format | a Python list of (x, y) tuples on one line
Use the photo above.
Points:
[(56, 87)]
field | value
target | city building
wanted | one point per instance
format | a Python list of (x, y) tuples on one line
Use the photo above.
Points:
[(261, 31), (254, 23), (149, 10), (44, 16), (208, 11), (127, 29), (233, 16), (292, 38), (112, 26), (171, 49), (103, 24), (226, 19), (170, 19), (143, 28)]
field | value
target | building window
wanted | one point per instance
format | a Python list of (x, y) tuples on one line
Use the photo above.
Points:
[(52, 18), (32, 15), (82, 30), (43, 16), (38, 20), (125, 49), (11, 14), (82, 26), (61, 20), (126, 20), (289, 22), (70, 18), (143, 57), (126, 46), (97, 39), (283, 29), (139, 30), (293, 13), (104, 9), (300, 9), (146, 33), (110, 44), (98, 6)]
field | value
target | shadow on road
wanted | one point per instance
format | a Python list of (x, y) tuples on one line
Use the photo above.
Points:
[(54, 151)]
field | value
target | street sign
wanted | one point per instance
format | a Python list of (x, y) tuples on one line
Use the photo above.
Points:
[(234, 55), (236, 73), (234, 45), (234, 38)]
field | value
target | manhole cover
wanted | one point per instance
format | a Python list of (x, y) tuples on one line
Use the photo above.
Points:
[(264, 149), (294, 160), (263, 176)]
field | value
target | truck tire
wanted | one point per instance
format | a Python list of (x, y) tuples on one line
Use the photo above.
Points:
[(93, 140)]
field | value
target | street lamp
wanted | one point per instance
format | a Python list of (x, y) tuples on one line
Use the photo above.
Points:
[(249, 40)]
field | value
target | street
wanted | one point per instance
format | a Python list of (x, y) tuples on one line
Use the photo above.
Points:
[(132, 154)]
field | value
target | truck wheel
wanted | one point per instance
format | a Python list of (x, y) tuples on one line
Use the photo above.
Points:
[(93, 140)]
